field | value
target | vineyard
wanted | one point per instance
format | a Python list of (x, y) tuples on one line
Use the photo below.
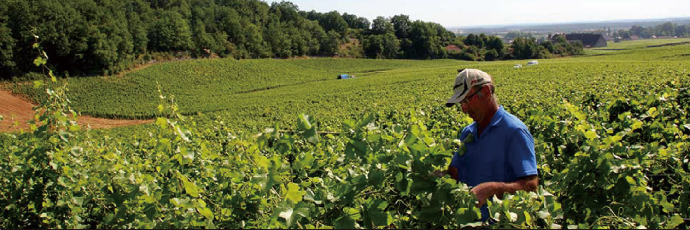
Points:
[(283, 144)]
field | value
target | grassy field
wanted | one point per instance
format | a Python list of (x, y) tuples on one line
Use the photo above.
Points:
[(613, 47), (263, 92)]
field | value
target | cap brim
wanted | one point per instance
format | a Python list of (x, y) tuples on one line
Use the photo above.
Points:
[(458, 97)]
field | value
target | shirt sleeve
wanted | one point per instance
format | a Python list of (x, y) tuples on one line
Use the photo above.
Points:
[(521, 158)]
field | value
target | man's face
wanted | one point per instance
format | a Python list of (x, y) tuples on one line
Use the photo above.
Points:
[(471, 104)]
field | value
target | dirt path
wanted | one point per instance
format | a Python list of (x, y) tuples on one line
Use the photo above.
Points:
[(13, 108)]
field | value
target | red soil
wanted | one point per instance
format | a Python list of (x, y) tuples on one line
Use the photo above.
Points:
[(13, 108)]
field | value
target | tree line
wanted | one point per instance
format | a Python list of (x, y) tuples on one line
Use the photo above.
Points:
[(666, 29), (88, 37)]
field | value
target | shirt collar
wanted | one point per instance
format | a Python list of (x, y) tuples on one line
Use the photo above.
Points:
[(495, 120), (498, 116)]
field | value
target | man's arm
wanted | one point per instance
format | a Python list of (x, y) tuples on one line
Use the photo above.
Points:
[(488, 189), (453, 172)]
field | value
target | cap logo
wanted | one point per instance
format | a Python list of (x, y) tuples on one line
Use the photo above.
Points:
[(464, 87)]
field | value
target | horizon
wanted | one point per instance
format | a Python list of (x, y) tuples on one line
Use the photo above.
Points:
[(626, 20), (461, 14)]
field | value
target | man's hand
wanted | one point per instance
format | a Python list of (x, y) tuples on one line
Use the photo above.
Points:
[(438, 173), (452, 171), (488, 189)]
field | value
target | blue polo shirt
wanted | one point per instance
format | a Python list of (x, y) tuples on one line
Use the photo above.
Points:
[(503, 153)]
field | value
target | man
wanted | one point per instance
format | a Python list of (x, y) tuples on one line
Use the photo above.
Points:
[(499, 156)]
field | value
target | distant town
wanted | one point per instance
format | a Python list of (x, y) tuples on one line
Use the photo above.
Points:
[(588, 33)]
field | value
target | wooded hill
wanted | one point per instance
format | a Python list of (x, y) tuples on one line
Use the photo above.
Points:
[(87, 37)]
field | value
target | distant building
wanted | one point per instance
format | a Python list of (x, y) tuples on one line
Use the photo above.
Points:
[(588, 40), (453, 48)]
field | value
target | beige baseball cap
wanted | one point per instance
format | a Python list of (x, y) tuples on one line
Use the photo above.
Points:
[(466, 79)]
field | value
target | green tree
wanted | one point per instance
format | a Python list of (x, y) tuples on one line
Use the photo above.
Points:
[(313, 15), (495, 43), (330, 43), (229, 22), (7, 65), (426, 43), (474, 40), (491, 55), (401, 24), (333, 21), (170, 33), (139, 33), (203, 41), (278, 39), (381, 25), (350, 19), (525, 48), (681, 31), (355, 22), (667, 29), (254, 40), (382, 46), (286, 11), (315, 34)]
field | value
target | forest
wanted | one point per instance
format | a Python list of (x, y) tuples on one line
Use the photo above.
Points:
[(103, 37)]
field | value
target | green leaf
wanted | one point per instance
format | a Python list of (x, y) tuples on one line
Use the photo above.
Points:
[(630, 180), (367, 120), (375, 213), (469, 138), (638, 124), (285, 213), (78, 200), (666, 206), (263, 162), (303, 122), (353, 213), (290, 214), (189, 187), (38, 84), (294, 193), (376, 178), (206, 212), (345, 223), (303, 212), (674, 222), (162, 122), (52, 77), (39, 61), (108, 218)]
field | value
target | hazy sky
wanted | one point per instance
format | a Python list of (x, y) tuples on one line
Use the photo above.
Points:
[(452, 13)]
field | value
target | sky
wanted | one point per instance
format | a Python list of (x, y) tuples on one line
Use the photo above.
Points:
[(464, 13)]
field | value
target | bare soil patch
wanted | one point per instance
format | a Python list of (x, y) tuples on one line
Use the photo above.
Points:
[(14, 109)]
